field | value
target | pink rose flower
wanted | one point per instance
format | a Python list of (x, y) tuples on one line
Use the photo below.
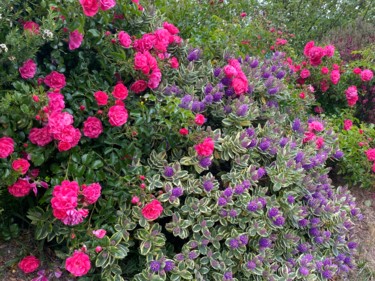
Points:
[(329, 50), (351, 95), (325, 70), (183, 131), (100, 233), (308, 46), (199, 119), (31, 27), (124, 39), (357, 70), (335, 77), (174, 62), (316, 126), (348, 124), (29, 264), (171, 28), (40, 136), (78, 264), (6, 147), (366, 75), (118, 115), (92, 127), (138, 86), (152, 210), (55, 102), (240, 84), (205, 148), (309, 136), (324, 86), (98, 249), (120, 91), (154, 79), (20, 188), (28, 69), (371, 154), (319, 143), (141, 63), (230, 71), (135, 200), (74, 217), (90, 7), (21, 165), (243, 14), (101, 98), (107, 4), (75, 40), (55, 80), (316, 54), (91, 193), (305, 73), (58, 120)]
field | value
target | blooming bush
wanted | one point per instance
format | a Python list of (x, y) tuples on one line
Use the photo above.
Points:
[(146, 162)]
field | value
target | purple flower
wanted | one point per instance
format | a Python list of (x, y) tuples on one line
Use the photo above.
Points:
[(327, 274), (208, 89), (279, 221), (250, 132), (273, 91), (262, 201), (299, 157), (264, 243), (296, 124), (208, 185), (228, 276), (303, 248), (303, 222), (266, 75), (254, 63), (180, 257), (251, 265), (338, 154), (196, 106), (314, 231), (222, 201), (272, 103), (168, 171), (273, 212), (252, 206), (218, 96), (280, 74), (169, 265), (229, 92), (233, 213), (304, 271), (264, 145), (244, 239), (261, 172), (290, 199), (185, 101), (269, 82), (227, 109), (205, 162), (228, 192), (283, 141), (242, 110), (154, 266), (194, 54), (233, 243), (352, 245), (239, 189), (318, 240), (217, 71), (226, 81), (246, 184), (193, 255), (177, 191), (208, 99)]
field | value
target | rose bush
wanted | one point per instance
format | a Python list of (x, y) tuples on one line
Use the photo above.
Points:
[(185, 171)]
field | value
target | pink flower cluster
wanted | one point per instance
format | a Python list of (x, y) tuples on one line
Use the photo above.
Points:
[(75, 40), (371, 157), (205, 148), (310, 135), (58, 125), (366, 74), (6, 147), (91, 7), (65, 199), (351, 95), (316, 53), (238, 78), (150, 46), (152, 210)]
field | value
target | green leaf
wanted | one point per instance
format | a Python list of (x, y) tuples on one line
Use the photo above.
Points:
[(101, 259), (97, 164)]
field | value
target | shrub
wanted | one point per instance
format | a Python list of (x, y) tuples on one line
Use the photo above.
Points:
[(144, 167)]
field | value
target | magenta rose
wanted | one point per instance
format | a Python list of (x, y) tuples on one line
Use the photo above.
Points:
[(316, 54), (205, 148), (174, 62), (101, 98), (152, 210), (371, 154), (55, 101), (78, 264), (75, 40), (305, 73), (55, 80), (141, 63), (91, 193), (240, 85), (28, 69), (92, 127), (230, 71), (31, 27), (124, 39), (107, 4), (118, 115), (20, 188), (100, 233), (308, 46), (120, 91), (21, 165), (348, 124), (329, 50), (90, 7), (335, 76), (154, 79), (351, 95), (138, 86), (6, 147), (40, 136), (29, 264), (171, 28), (366, 75)]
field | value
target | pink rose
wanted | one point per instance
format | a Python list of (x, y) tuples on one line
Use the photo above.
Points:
[(31, 27), (230, 71), (64, 146), (308, 46), (28, 69), (29, 264), (174, 62), (107, 4), (21, 165), (309, 136), (152, 210), (154, 79), (199, 119), (58, 120), (145, 43), (357, 70), (92, 127), (98, 249), (325, 70), (183, 131), (55, 101), (138, 86), (316, 126), (243, 14), (55, 80), (100, 233), (75, 40), (324, 86), (366, 75), (335, 77), (305, 73), (6, 147), (240, 85), (91, 193), (141, 63), (351, 95), (329, 50), (171, 28), (316, 54), (118, 115), (135, 200), (101, 98), (124, 39), (40, 136), (371, 154), (74, 217), (78, 264), (20, 188), (348, 124), (205, 148), (319, 143), (90, 7), (120, 91)]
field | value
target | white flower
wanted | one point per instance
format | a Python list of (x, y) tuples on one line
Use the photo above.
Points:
[(3, 48), (47, 34)]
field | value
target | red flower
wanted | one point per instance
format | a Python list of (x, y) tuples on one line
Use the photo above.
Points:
[(6, 147), (206, 148), (91, 192), (21, 166), (20, 188), (138, 86), (184, 131), (199, 119), (152, 210), (29, 264), (55, 80), (101, 98), (78, 264)]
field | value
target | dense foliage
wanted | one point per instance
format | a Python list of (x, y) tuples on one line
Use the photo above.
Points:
[(135, 157)]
